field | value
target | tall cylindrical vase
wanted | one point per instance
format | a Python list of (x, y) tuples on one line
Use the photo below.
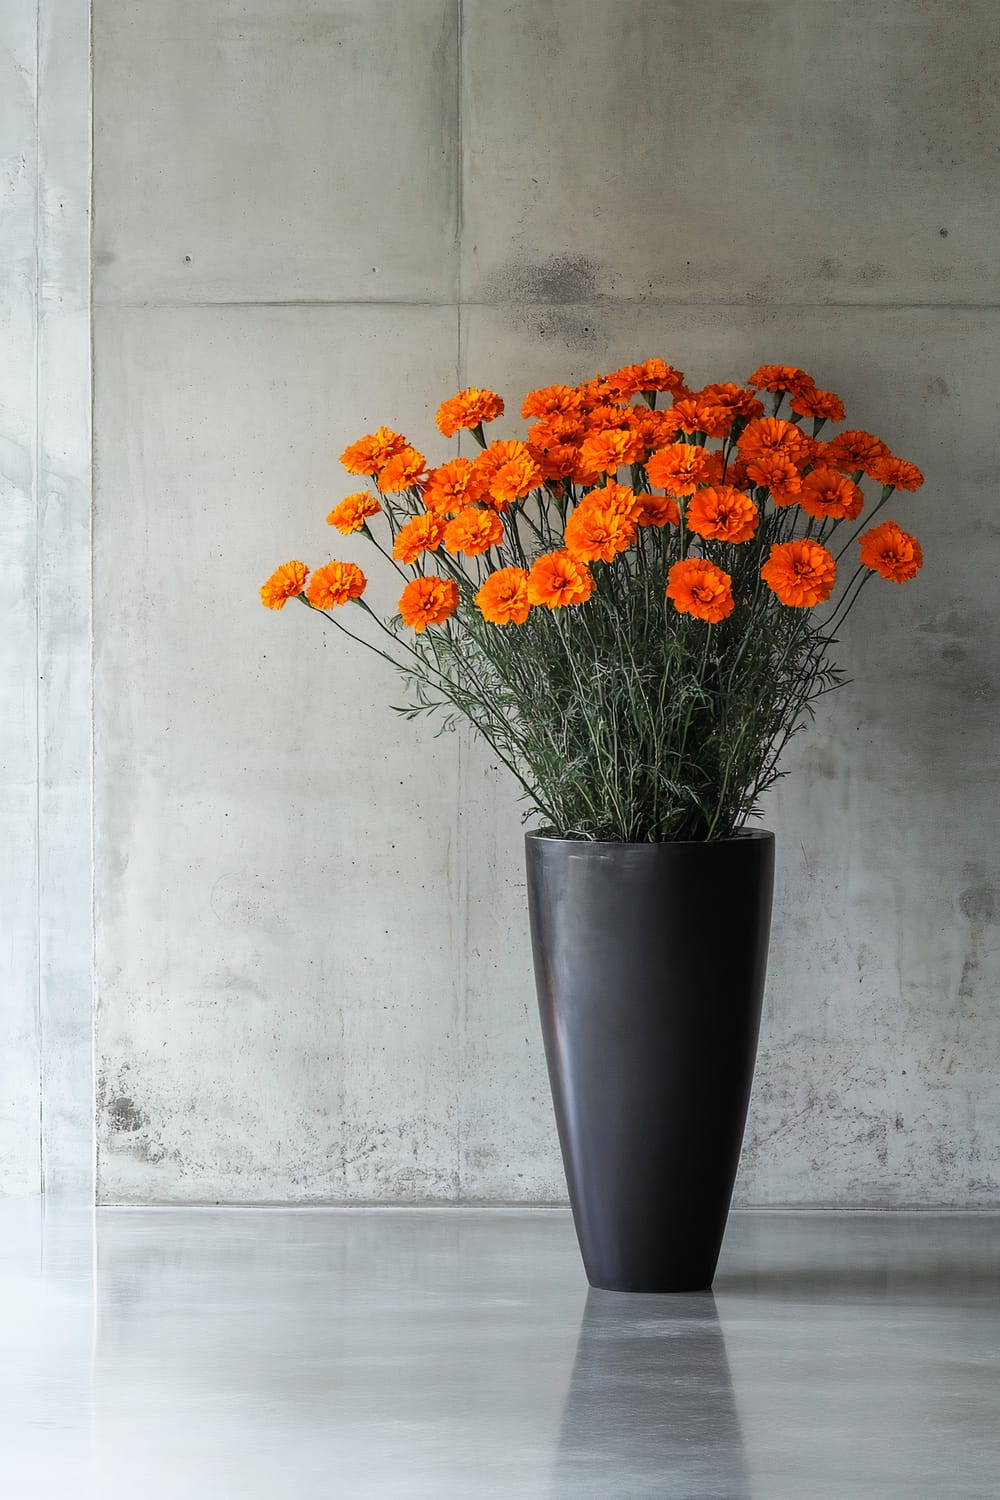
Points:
[(649, 964)]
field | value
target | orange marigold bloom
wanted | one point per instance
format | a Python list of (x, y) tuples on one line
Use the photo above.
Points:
[(511, 472), (625, 382), (776, 472), (650, 428), (556, 579), (513, 480), (698, 414), (657, 375), (734, 399), (606, 414), (658, 510), (605, 452), (894, 553), (428, 601), (713, 472), (335, 584), (697, 587), (549, 399), (896, 473), (473, 531), (596, 531), (818, 404), (825, 492), (285, 583), (722, 513), (352, 512), (678, 468), (593, 392), (558, 427), (503, 598), (770, 435), (800, 573), (556, 461), (781, 378), (372, 452), (404, 471), (424, 533), (615, 496), (853, 450), (737, 474), (470, 408), (453, 485)]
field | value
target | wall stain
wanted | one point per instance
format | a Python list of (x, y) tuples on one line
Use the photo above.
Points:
[(980, 905), (561, 280)]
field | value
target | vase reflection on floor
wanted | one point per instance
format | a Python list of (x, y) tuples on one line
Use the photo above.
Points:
[(651, 1410)]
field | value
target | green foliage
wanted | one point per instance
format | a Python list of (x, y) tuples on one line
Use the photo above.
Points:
[(621, 718)]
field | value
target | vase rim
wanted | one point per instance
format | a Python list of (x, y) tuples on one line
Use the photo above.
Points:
[(740, 837)]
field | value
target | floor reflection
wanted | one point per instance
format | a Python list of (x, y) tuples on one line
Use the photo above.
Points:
[(651, 1410)]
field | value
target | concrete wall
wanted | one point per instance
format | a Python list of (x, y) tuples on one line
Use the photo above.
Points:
[(46, 1115), (313, 215)]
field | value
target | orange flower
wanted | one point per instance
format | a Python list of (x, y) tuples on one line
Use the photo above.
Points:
[(821, 405), (513, 480), (737, 474), (593, 392), (556, 579), (827, 493), (678, 468), (510, 471), (549, 399), (896, 473), (894, 553), (698, 414), (335, 584), (773, 435), (800, 573), (556, 461), (424, 533), (722, 513), (658, 510), (697, 587), (352, 513), (776, 472), (614, 496), (732, 399), (403, 471), (853, 450), (503, 598), (657, 375), (473, 531), (625, 382), (598, 531), (453, 485), (781, 378), (713, 471), (605, 452), (428, 601), (654, 429), (372, 452), (470, 408), (285, 583), (559, 427)]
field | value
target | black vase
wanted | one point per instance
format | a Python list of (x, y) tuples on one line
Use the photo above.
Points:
[(649, 964)]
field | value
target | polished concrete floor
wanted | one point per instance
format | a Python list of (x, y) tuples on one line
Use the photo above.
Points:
[(202, 1354)]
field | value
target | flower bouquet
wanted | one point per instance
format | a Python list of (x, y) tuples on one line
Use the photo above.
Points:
[(636, 607)]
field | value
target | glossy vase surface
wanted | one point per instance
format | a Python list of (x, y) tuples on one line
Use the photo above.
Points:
[(649, 964)]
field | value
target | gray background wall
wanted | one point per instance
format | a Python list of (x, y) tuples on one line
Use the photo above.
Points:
[(314, 215), (46, 1091)]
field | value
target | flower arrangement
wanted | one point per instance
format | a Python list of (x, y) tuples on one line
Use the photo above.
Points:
[(637, 653)]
